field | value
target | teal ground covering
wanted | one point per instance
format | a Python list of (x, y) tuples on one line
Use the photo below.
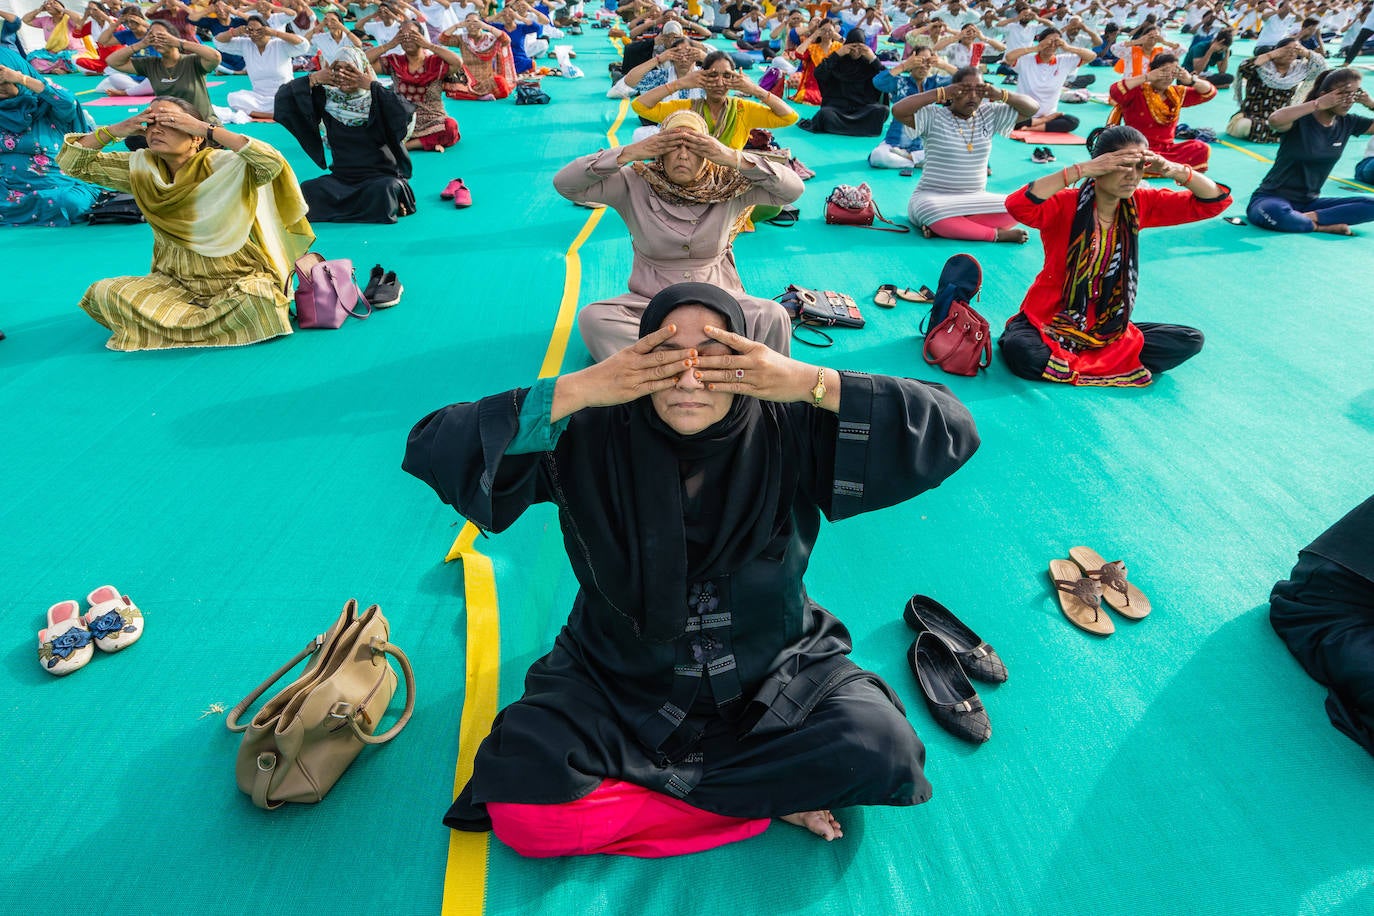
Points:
[(240, 496)]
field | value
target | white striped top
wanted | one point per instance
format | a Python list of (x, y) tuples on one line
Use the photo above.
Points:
[(954, 178)]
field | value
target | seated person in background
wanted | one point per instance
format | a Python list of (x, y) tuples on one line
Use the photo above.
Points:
[(177, 72), (417, 75), (228, 225), (1213, 54), (728, 118), (675, 59), (965, 48), (365, 125), (63, 32), (126, 30), (1364, 170), (266, 54), (1041, 73), (902, 147), (1151, 103), (697, 690), (34, 116), (488, 64), (822, 41), (523, 31), (331, 39), (1075, 323), (1265, 83), (1146, 42), (850, 103), (951, 200), (1106, 57), (1312, 137), (683, 207), (1324, 613)]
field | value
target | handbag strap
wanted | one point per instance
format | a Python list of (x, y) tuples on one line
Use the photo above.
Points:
[(878, 214), (381, 647), (232, 722), (342, 295), (262, 781), (814, 329)]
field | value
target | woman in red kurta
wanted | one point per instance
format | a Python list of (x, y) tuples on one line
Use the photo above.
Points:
[(1151, 104), (1075, 323)]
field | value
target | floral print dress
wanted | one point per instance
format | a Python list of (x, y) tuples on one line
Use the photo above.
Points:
[(33, 191)]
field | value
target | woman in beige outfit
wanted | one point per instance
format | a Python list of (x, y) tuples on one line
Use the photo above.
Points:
[(683, 207)]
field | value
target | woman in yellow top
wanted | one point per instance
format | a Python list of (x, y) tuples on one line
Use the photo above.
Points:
[(728, 118), (228, 225)]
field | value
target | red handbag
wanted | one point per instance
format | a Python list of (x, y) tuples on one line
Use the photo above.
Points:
[(961, 344), (851, 206)]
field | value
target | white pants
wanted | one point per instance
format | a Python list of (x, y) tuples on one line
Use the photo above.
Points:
[(129, 85), (251, 100), (890, 157)]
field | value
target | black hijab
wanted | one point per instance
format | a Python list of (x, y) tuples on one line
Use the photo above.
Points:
[(658, 510)]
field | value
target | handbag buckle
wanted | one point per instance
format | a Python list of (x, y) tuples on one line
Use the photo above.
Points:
[(266, 762), (341, 710)]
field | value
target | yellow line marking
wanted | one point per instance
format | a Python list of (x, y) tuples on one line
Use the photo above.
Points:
[(1254, 155), (465, 873)]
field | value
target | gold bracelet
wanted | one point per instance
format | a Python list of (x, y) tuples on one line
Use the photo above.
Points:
[(1006, 95), (104, 136)]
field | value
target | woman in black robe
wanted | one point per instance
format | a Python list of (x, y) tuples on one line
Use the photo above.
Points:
[(1324, 612), (694, 668), (850, 103), (366, 125)]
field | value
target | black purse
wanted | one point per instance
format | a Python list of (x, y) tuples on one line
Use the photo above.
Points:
[(813, 309), (113, 209)]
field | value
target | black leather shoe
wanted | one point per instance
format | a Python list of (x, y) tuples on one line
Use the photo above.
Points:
[(979, 659), (373, 282), (951, 698)]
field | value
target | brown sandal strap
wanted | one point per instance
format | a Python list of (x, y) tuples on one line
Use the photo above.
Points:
[(1112, 575), (1088, 591)]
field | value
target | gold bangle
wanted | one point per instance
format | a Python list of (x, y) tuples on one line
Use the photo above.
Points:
[(104, 136), (1006, 95)]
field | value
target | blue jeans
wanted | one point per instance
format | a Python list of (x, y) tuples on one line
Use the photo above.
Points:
[(1279, 215), (1364, 171)]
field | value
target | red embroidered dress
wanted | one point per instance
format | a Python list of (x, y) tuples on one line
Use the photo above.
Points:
[(1115, 361), (1155, 114)]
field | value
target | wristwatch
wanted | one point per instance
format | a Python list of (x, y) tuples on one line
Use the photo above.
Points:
[(818, 393)]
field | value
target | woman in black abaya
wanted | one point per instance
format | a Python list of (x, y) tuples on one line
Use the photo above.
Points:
[(696, 691), (366, 125), (850, 103)]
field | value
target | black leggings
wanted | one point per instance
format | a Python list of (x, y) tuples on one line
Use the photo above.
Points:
[(1166, 346), (1358, 46), (1059, 124)]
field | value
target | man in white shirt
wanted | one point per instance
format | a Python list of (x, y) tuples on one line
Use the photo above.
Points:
[(1041, 73), (1366, 30), (1278, 24), (956, 15)]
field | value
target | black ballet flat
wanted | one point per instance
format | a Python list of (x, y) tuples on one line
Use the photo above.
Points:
[(979, 659), (950, 696)]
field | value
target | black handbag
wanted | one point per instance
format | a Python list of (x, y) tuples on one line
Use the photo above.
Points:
[(812, 309), (113, 209), (527, 92)]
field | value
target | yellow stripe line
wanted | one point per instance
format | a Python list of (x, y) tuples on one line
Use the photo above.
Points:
[(1254, 155), (465, 872)]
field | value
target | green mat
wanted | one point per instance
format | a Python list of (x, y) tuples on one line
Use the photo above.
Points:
[(240, 496)]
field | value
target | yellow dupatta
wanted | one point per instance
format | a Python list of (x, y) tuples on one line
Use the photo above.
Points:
[(60, 37), (213, 208)]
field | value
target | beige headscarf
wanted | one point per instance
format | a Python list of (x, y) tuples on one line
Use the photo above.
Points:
[(717, 183)]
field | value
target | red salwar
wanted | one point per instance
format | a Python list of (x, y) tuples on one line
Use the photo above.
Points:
[(617, 818)]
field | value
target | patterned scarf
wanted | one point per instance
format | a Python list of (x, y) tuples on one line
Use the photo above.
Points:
[(1090, 322), (717, 184), (351, 109)]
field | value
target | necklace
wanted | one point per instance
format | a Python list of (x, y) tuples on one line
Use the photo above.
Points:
[(973, 130)]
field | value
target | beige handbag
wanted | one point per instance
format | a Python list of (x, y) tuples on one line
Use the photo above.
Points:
[(302, 740)]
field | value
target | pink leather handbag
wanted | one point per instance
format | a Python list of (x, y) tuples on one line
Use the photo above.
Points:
[(326, 293)]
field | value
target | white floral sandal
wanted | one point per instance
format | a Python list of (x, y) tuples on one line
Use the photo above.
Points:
[(65, 645), (115, 622)]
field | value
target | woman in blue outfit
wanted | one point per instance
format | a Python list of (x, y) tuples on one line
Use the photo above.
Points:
[(1313, 137), (34, 116)]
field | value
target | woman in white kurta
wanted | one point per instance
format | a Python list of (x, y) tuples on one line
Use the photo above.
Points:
[(952, 200), (266, 54)]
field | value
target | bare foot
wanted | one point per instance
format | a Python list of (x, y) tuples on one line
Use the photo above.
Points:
[(821, 823), (925, 231), (115, 92), (1313, 218), (1015, 234), (1334, 229)]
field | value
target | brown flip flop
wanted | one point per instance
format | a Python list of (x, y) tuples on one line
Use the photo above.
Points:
[(1080, 599), (1123, 596), (921, 295), (886, 296)]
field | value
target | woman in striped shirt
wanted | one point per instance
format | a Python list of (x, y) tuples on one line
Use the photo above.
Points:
[(956, 124)]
